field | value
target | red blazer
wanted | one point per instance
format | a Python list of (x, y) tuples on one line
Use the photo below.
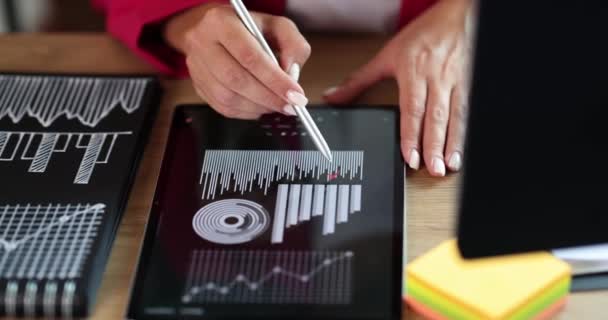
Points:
[(137, 24)]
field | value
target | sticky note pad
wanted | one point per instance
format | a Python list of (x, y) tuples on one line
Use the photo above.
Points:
[(511, 287), (433, 315)]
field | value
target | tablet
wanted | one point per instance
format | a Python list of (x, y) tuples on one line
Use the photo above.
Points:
[(70, 146), (534, 172), (251, 222)]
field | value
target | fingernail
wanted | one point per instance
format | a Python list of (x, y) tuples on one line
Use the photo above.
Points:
[(414, 159), (438, 166), (330, 91), (288, 109), (297, 98), (294, 71), (455, 161)]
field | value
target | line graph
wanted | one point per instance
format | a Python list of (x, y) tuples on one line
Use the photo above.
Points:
[(278, 277), (39, 147), (86, 99), (50, 241), (243, 170), (12, 245)]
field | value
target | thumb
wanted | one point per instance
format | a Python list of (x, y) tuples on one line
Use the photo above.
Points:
[(360, 80)]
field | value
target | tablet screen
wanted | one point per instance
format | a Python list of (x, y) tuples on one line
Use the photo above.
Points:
[(250, 221)]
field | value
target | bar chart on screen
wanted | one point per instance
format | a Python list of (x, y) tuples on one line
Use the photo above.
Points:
[(39, 147), (308, 187), (256, 170), (296, 204)]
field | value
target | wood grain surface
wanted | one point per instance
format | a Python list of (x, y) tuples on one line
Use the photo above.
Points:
[(430, 201)]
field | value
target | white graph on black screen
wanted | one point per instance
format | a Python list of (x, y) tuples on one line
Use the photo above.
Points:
[(249, 170), (333, 197), (48, 98), (47, 241), (278, 277), (47, 124), (39, 147)]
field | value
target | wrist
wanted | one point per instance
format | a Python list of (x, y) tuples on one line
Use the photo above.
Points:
[(176, 28)]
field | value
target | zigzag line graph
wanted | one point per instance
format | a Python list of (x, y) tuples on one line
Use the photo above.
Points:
[(12, 245), (269, 277), (48, 98), (49, 241)]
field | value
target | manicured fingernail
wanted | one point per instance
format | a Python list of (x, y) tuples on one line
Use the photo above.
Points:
[(330, 91), (455, 161), (297, 98), (438, 166), (294, 71), (414, 159), (288, 109)]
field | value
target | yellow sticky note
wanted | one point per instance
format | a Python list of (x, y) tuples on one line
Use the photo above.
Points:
[(492, 287)]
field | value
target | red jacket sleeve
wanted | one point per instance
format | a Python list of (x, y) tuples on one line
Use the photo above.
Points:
[(410, 9), (138, 23)]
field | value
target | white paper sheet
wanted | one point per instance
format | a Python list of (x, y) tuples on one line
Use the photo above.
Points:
[(592, 253), (585, 260)]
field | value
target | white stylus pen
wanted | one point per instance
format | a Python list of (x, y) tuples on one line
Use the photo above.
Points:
[(302, 113)]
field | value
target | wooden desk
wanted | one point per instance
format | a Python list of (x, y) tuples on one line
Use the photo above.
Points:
[(430, 200)]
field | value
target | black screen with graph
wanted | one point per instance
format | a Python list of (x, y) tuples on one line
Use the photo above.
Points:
[(250, 221), (69, 147)]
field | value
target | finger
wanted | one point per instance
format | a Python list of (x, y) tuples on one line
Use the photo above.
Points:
[(227, 111), (456, 129), (435, 128), (227, 102), (231, 74), (359, 81), (412, 101), (245, 49), (197, 81), (220, 109), (223, 94), (292, 46), (230, 103)]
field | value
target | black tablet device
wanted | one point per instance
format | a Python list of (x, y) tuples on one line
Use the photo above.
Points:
[(251, 222), (534, 173), (69, 150)]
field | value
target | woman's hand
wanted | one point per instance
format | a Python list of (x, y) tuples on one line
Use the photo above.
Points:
[(428, 58), (229, 68)]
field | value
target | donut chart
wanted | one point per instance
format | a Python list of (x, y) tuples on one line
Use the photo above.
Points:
[(231, 221)]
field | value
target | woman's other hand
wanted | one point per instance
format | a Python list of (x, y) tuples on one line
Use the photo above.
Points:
[(428, 58)]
